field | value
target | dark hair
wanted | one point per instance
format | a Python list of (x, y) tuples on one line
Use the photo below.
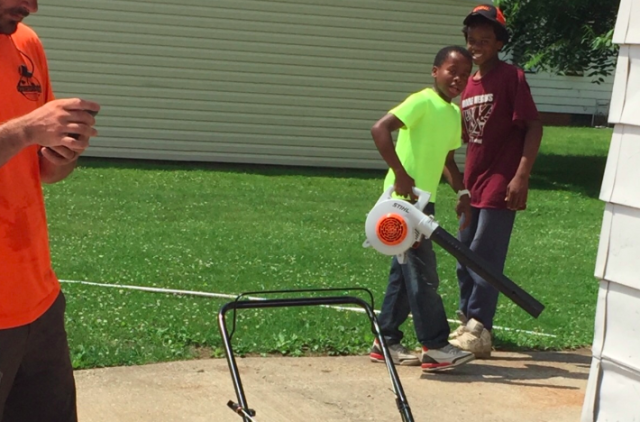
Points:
[(446, 51), (501, 32)]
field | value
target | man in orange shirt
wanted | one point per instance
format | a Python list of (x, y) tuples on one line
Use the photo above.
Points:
[(40, 141)]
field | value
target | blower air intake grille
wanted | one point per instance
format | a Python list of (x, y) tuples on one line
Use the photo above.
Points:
[(391, 229)]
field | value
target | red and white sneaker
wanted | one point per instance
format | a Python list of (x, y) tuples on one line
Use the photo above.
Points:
[(400, 355), (447, 357)]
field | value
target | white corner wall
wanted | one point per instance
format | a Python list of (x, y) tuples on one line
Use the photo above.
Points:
[(613, 390)]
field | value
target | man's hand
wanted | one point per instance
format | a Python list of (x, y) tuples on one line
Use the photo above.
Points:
[(60, 123), (463, 207), (62, 128), (517, 191), (61, 155)]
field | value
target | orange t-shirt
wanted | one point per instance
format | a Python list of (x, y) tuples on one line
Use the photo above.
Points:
[(28, 285)]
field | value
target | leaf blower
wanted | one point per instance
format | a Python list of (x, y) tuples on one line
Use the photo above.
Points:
[(394, 225)]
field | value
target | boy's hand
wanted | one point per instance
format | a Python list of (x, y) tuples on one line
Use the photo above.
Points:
[(463, 208), (404, 186), (517, 193)]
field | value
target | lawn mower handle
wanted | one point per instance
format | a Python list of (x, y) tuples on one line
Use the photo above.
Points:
[(242, 408)]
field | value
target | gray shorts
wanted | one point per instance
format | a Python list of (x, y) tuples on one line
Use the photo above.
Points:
[(36, 376)]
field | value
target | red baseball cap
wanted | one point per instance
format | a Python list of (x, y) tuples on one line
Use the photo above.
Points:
[(489, 12)]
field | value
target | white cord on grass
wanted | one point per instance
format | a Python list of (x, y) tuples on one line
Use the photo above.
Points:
[(228, 296)]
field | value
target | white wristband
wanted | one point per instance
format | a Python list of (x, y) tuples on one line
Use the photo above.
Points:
[(463, 192)]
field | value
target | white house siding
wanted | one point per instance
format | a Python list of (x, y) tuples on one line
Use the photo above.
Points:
[(293, 82), (613, 391), (570, 94)]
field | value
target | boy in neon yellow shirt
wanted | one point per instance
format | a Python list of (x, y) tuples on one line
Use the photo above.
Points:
[(430, 132)]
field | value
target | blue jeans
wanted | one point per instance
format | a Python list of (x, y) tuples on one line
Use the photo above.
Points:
[(413, 287), (488, 236)]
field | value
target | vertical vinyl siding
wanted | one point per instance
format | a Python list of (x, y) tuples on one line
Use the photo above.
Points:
[(613, 389)]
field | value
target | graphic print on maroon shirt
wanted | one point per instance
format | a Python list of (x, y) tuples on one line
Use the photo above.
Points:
[(494, 111), (476, 116)]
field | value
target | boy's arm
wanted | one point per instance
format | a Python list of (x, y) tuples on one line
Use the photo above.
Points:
[(454, 178), (519, 186), (381, 133)]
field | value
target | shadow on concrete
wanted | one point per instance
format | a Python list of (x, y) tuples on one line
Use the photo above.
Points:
[(523, 369)]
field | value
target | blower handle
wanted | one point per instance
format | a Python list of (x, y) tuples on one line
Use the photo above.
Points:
[(423, 197)]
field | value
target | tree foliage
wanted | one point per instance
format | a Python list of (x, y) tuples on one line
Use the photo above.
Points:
[(566, 37)]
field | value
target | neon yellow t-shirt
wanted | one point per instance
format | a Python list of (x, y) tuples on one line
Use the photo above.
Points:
[(432, 128)]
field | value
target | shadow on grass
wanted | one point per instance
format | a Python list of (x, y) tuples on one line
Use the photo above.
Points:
[(576, 173), (258, 169)]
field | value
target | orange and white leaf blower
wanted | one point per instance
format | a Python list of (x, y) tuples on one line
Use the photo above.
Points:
[(394, 225)]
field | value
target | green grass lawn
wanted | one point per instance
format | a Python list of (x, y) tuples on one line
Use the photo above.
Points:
[(230, 229)]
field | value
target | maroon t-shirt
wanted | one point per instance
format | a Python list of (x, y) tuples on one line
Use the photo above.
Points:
[(494, 111)]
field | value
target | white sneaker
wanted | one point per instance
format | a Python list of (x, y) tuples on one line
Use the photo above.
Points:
[(400, 355), (444, 358), (463, 325), (475, 339)]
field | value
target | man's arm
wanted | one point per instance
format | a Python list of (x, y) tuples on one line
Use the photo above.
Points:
[(455, 180), (56, 168), (11, 142), (61, 127), (381, 133), (519, 186)]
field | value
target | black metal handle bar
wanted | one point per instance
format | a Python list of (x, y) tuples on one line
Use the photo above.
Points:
[(242, 406)]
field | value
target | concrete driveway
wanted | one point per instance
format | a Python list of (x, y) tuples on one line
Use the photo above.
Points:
[(521, 387)]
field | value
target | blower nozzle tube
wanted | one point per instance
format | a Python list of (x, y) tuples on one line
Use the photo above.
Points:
[(481, 267)]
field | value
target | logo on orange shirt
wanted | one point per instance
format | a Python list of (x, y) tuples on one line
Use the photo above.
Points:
[(29, 85)]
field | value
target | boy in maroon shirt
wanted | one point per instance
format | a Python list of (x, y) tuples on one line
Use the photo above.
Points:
[(503, 132)]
